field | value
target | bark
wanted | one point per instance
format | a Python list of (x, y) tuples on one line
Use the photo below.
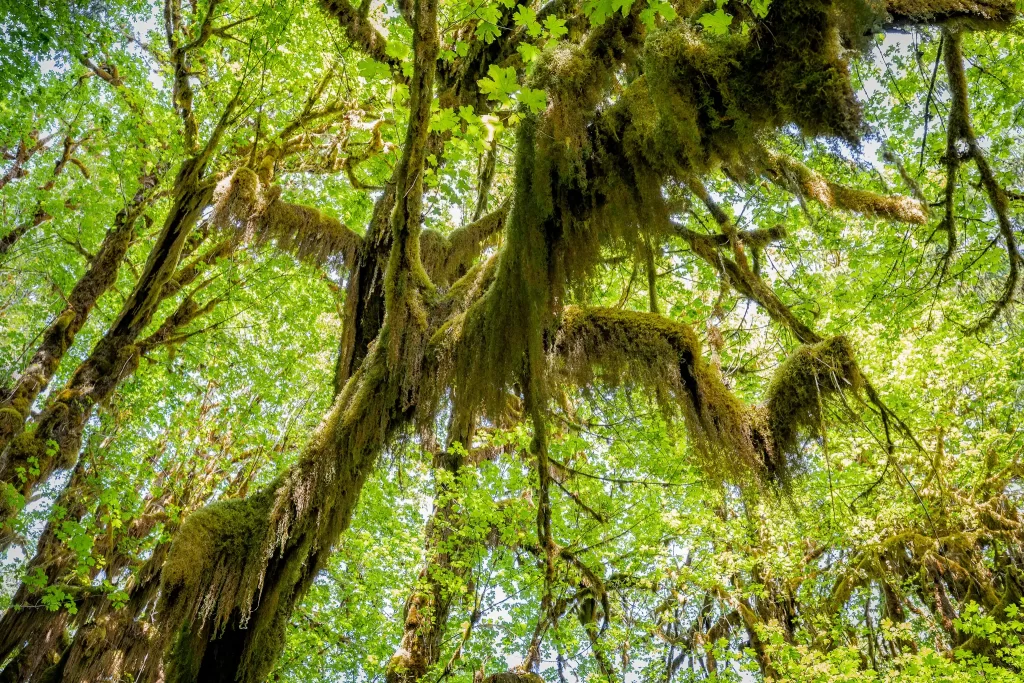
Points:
[(54, 443), (11, 238), (99, 276), (26, 149)]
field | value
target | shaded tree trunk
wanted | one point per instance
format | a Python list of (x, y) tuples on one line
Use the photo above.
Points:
[(428, 607)]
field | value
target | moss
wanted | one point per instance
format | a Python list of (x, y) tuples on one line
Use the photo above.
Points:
[(208, 572), (309, 234), (790, 172), (643, 349), (243, 203), (236, 200), (812, 375), (11, 420)]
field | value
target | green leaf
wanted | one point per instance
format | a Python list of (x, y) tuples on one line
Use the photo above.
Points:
[(555, 26), (487, 30), (717, 22), (371, 69), (528, 52), (536, 100), (444, 120), (655, 9), (500, 84), (598, 11), (527, 18)]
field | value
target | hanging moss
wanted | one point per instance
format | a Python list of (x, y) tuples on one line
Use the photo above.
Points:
[(208, 575), (618, 347), (242, 202), (310, 235), (812, 376)]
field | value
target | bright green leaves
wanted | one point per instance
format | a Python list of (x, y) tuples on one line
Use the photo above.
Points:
[(536, 100), (371, 69), (487, 30), (443, 120), (555, 27), (719, 22), (716, 22), (527, 18), (655, 9), (502, 85), (760, 7), (598, 11), (528, 52)]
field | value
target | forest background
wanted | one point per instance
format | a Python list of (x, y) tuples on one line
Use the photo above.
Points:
[(482, 340)]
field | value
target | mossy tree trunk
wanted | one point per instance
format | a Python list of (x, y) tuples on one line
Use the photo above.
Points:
[(273, 544), (17, 232), (429, 605)]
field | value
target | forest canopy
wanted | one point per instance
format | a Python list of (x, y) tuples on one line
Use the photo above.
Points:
[(511, 341)]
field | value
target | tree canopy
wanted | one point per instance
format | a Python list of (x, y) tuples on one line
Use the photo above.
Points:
[(510, 341)]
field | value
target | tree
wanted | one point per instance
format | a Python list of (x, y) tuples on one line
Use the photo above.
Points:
[(620, 139)]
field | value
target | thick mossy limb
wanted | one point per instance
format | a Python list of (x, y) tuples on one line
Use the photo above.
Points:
[(309, 234), (448, 258), (242, 202), (980, 13), (208, 573), (236, 200)]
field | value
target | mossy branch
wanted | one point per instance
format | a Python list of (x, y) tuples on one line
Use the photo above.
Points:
[(257, 213), (794, 176), (960, 131), (982, 14)]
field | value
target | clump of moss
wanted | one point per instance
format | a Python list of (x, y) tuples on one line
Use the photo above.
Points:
[(236, 200), (644, 349), (209, 572), (242, 202), (813, 375)]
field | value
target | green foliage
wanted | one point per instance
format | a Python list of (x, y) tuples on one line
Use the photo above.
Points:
[(892, 552)]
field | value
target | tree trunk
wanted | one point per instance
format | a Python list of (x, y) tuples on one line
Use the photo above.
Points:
[(429, 605), (236, 569)]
